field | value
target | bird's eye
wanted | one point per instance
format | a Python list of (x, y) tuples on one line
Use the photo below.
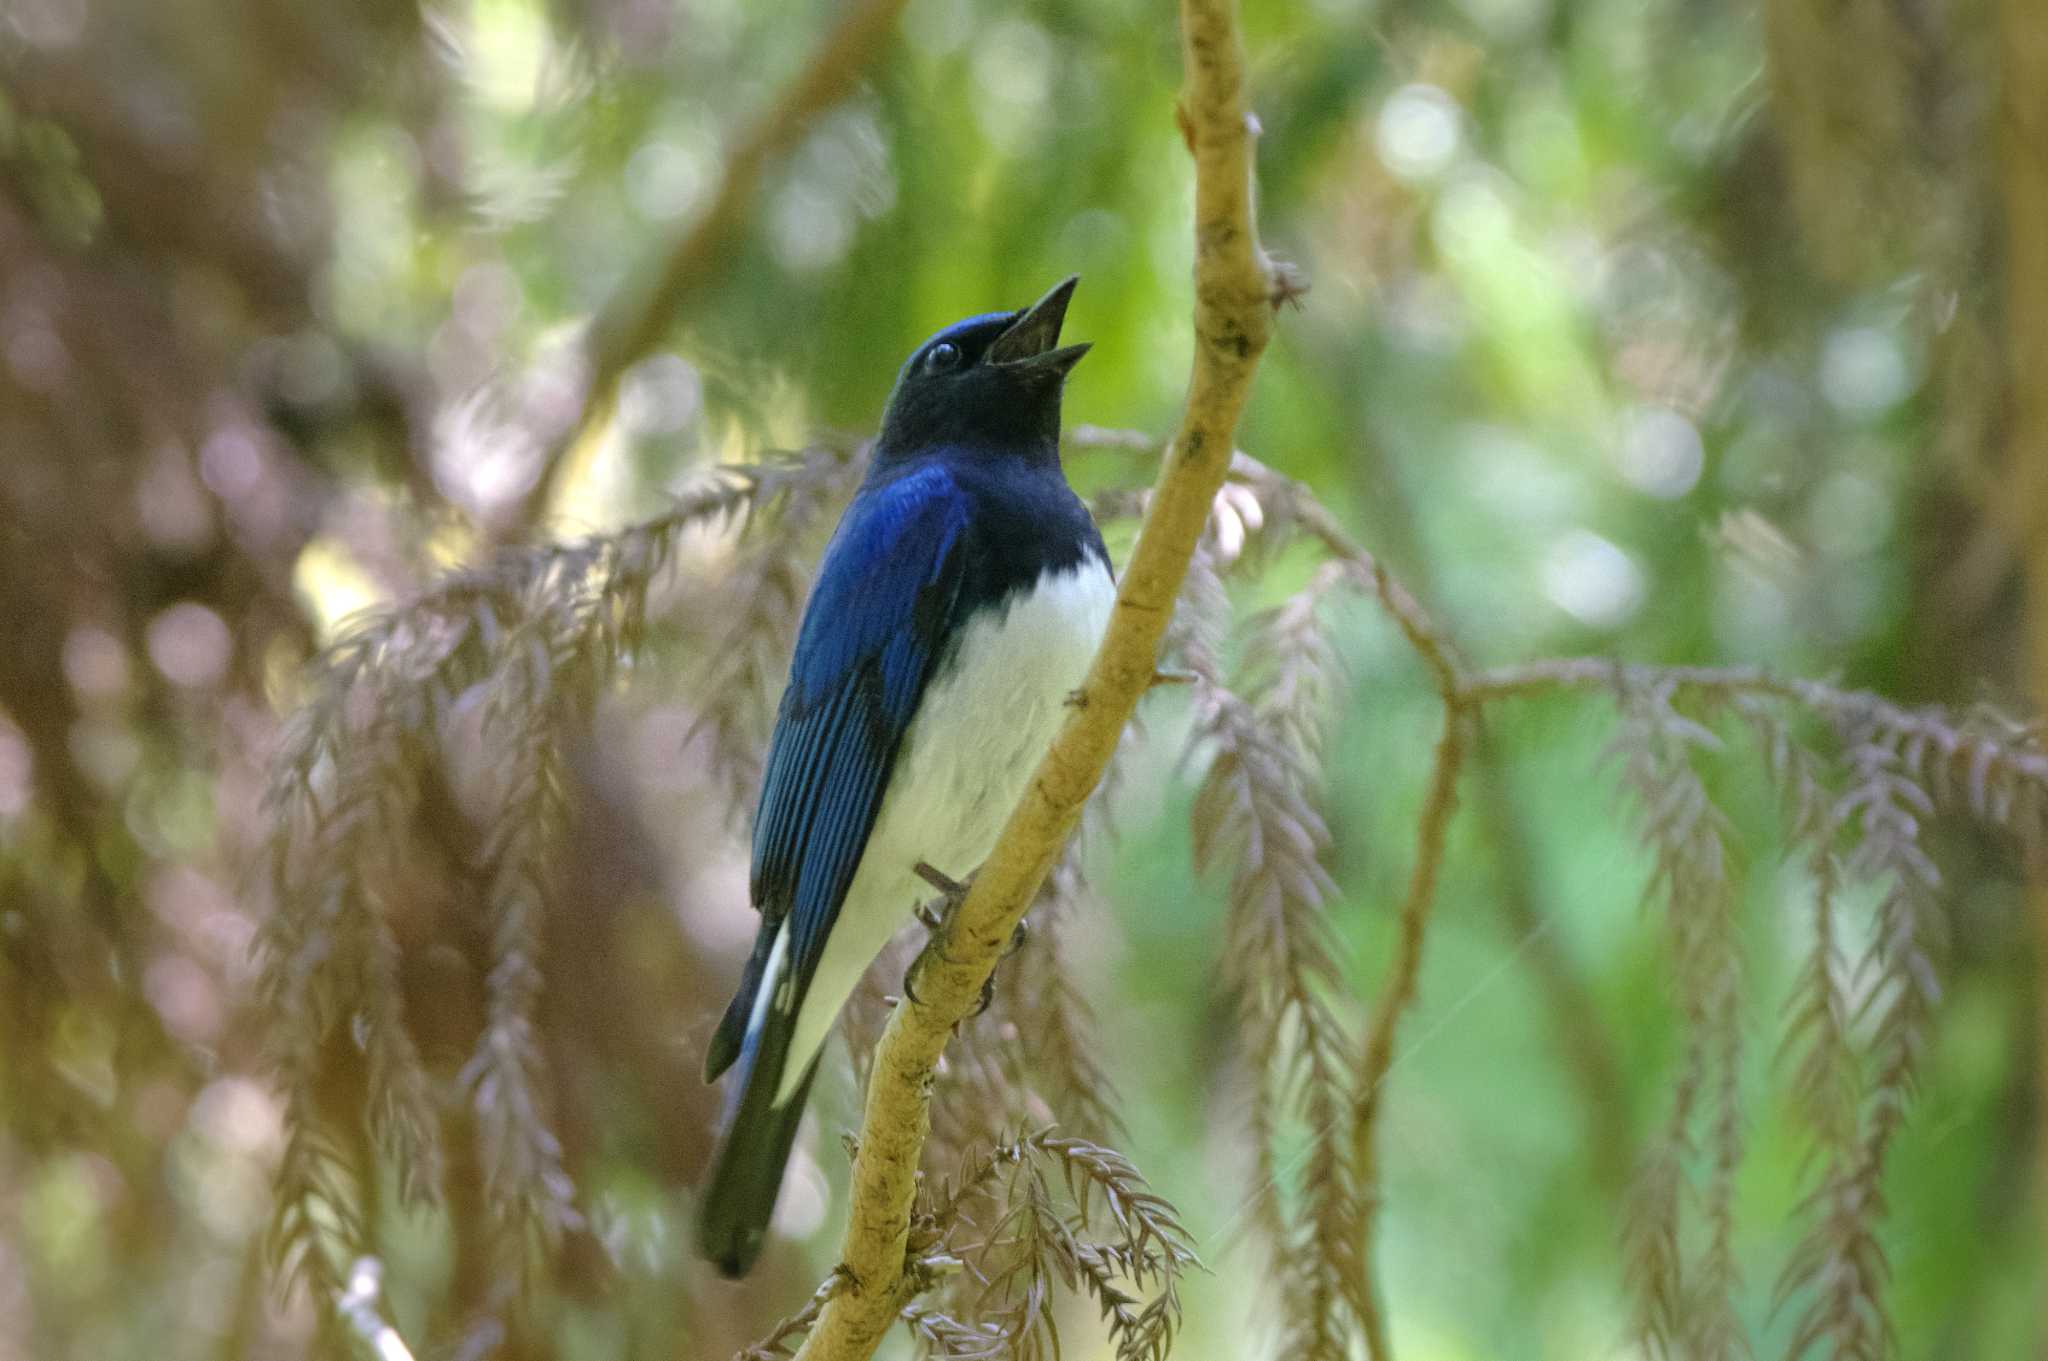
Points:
[(942, 358)]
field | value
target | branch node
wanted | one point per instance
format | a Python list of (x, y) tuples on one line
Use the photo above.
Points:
[(1289, 283)]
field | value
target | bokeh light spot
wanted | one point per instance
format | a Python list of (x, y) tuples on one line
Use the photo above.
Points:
[(17, 768), (190, 645), (668, 177), (95, 662), (1864, 370), (660, 396), (1013, 72), (1418, 132), (1592, 580), (1849, 516), (1660, 453)]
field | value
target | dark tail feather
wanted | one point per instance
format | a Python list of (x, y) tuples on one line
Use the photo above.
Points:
[(753, 1148)]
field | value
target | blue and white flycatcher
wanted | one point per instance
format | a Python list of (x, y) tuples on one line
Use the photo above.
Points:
[(957, 607)]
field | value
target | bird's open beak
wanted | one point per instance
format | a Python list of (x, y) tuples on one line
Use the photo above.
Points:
[(1028, 344)]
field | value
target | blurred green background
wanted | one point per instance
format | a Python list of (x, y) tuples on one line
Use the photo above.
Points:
[(1671, 329)]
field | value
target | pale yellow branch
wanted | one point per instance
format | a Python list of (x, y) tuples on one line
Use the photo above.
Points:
[(1233, 317)]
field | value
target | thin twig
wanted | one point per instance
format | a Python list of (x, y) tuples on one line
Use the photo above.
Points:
[(1999, 775), (1233, 317), (1959, 751), (1399, 989), (1587, 1052), (782, 1339)]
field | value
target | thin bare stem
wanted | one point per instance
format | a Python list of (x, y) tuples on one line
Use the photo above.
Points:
[(1398, 991), (1998, 773), (783, 1338)]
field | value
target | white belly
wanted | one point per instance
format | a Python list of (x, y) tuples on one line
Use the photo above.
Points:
[(977, 736)]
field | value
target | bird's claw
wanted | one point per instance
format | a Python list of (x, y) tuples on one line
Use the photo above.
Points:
[(943, 882), (951, 891), (1018, 933), (934, 919), (1289, 284)]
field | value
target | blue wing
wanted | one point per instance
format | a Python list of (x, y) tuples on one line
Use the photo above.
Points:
[(875, 623)]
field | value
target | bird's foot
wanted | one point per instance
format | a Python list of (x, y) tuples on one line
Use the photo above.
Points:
[(1289, 284), (953, 889), (988, 985), (935, 916), (1077, 699)]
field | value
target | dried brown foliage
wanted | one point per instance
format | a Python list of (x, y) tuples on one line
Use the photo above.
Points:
[(1258, 809), (761, 606), (1045, 1210), (1030, 1056), (1688, 1310), (1019, 1222), (1046, 1006), (507, 658), (1007, 1225)]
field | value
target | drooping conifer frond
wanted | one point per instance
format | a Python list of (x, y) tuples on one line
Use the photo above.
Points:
[(1841, 1262), (332, 972), (508, 656), (1041, 1213), (1053, 1020), (1687, 1310), (512, 657), (755, 621), (1857, 1027), (505, 1080), (1257, 810), (1030, 1058), (1839, 1265)]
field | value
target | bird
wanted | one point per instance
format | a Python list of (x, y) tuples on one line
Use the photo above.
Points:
[(955, 612)]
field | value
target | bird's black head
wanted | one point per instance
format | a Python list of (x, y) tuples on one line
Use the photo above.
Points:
[(987, 383)]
